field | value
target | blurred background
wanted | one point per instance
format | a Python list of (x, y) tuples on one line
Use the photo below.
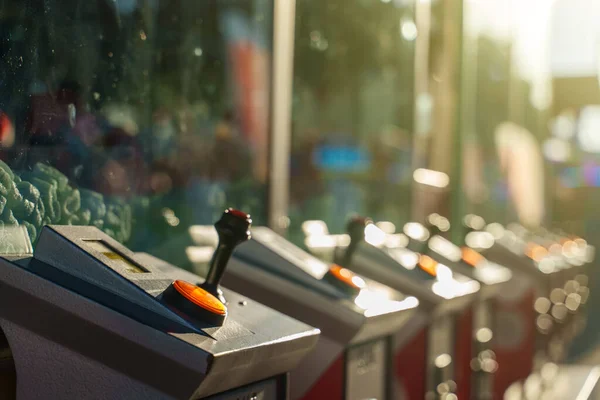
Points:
[(164, 112)]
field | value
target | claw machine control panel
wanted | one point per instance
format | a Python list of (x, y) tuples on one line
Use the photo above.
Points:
[(91, 319), (434, 351), (358, 317)]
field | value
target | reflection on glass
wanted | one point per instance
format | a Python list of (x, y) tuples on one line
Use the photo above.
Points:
[(352, 112), (140, 117)]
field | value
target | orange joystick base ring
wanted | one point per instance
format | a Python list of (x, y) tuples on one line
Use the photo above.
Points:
[(195, 302), (343, 280)]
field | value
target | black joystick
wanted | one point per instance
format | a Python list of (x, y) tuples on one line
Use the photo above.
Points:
[(205, 302), (233, 228), (356, 231)]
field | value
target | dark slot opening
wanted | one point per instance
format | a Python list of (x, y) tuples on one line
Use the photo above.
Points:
[(8, 373)]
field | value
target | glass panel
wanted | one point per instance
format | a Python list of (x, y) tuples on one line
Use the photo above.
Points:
[(352, 111), (437, 153), (530, 127), (506, 110), (572, 149), (487, 57), (140, 117)]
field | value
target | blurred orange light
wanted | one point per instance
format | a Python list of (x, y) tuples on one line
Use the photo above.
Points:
[(428, 265), (471, 257), (536, 252), (570, 248), (346, 276)]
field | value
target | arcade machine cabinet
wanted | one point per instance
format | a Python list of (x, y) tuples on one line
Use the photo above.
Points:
[(434, 352), (87, 318), (493, 278), (532, 316), (8, 376), (358, 318), (558, 382)]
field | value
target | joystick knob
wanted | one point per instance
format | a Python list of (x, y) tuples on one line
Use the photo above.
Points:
[(233, 229)]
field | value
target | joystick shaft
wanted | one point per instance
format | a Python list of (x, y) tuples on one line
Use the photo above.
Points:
[(356, 231), (233, 229)]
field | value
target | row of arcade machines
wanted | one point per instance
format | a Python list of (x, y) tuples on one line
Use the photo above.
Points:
[(372, 314), (446, 320)]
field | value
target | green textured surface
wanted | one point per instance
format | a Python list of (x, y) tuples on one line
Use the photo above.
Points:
[(43, 196)]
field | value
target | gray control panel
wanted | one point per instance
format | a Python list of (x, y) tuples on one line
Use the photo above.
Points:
[(357, 316), (90, 319)]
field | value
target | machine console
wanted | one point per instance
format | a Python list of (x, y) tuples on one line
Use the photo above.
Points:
[(150, 332)]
